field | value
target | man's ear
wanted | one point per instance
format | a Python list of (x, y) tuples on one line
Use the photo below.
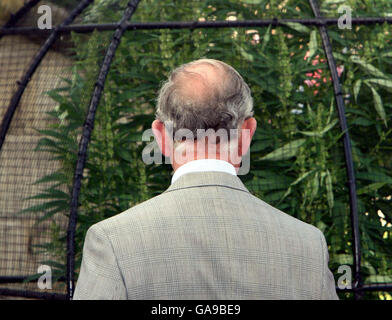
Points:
[(248, 129), (165, 143)]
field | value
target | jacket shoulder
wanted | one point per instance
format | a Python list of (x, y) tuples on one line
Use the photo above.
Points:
[(131, 215), (287, 221)]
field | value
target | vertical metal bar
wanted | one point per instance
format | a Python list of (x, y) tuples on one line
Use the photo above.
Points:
[(33, 66), (85, 139), (347, 150)]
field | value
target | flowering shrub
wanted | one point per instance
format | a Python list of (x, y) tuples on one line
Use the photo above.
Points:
[(318, 77)]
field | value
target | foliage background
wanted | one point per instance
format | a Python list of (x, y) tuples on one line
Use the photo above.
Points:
[(297, 161)]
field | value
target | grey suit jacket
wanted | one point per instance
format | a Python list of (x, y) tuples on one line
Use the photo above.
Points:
[(205, 237)]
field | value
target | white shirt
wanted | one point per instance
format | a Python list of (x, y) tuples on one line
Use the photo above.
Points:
[(203, 165)]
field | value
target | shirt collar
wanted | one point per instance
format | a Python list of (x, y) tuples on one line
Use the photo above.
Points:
[(204, 165)]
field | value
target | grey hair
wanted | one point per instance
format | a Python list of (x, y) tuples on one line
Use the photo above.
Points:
[(226, 105)]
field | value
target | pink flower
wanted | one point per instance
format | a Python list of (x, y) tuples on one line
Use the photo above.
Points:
[(316, 60), (340, 70), (319, 73), (316, 75), (310, 83)]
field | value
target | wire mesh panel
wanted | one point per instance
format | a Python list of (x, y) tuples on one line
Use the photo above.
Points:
[(37, 162), (297, 160), (20, 165), (28, 224)]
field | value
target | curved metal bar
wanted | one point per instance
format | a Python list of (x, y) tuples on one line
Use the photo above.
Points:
[(85, 139), (20, 13), (347, 150), (34, 65), (85, 28), (32, 294), (369, 287), (22, 279)]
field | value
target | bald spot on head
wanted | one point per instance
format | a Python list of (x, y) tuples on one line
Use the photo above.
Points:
[(200, 81)]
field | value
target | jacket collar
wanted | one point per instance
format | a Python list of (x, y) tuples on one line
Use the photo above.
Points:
[(203, 165), (209, 178)]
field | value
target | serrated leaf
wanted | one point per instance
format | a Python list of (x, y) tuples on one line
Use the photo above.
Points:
[(369, 68), (32, 277), (387, 84), (247, 56), (343, 259), (378, 105), (297, 27), (259, 145), (266, 38), (267, 174), (57, 204), (273, 196), (135, 92), (321, 225), (339, 56), (310, 112), (312, 44), (53, 177), (50, 194), (329, 126), (125, 155), (269, 184), (371, 188), (315, 185), (322, 132), (333, 1), (374, 176), (362, 122), (252, 1), (387, 54), (357, 87), (331, 108), (298, 180), (302, 177), (286, 152), (379, 278), (54, 264), (328, 185), (51, 213)]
